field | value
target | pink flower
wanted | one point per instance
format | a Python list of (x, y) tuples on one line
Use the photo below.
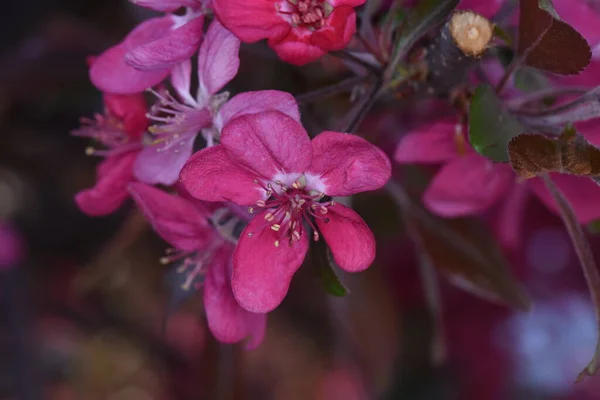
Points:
[(120, 131), (300, 31), (206, 111), (267, 160), (146, 56), (204, 246), (469, 184)]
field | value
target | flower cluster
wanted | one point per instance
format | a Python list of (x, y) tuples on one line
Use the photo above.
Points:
[(195, 158), (241, 188)]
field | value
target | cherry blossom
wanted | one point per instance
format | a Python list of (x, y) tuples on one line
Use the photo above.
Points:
[(267, 161), (120, 131), (300, 31), (203, 244)]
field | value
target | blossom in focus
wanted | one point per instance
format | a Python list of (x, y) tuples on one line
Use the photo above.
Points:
[(148, 53), (203, 243), (469, 184), (300, 31), (179, 120), (119, 131), (267, 161)]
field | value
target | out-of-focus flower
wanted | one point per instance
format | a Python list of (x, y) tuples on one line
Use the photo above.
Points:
[(11, 247), (120, 130), (300, 31), (469, 184), (204, 246), (180, 120), (146, 56), (268, 161)]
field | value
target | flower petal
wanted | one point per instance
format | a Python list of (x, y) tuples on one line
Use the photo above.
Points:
[(348, 164), (161, 164), (175, 219), (509, 221), (255, 102), (351, 241), (581, 192), (262, 272), (227, 321), (466, 186), (296, 49), (110, 190), (338, 30), (211, 175), (166, 5), (269, 142), (181, 79), (111, 74), (430, 143), (218, 61), (168, 50), (251, 20), (131, 109)]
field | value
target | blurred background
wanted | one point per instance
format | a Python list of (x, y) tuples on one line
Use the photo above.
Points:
[(82, 300)]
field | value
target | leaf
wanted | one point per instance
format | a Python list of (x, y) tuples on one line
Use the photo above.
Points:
[(547, 42), (490, 126), (530, 79), (464, 250), (435, 12), (533, 154), (584, 108), (502, 35), (586, 259), (325, 265)]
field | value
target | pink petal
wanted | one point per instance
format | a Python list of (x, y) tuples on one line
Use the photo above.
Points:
[(167, 5), (255, 102), (351, 241), (218, 61), (131, 109), (111, 74), (466, 186), (338, 30), (168, 50), (227, 321), (296, 49), (351, 3), (176, 220), (582, 17), (348, 164), (262, 272), (211, 175), (110, 191), (580, 191), (269, 142), (161, 164), (251, 20), (510, 216), (430, 143), (181, 79)]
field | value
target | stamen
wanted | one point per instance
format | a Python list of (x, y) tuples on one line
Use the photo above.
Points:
[(275, 227), (276, 243)]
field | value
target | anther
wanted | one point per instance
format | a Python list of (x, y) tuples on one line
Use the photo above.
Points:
[(89, 150), (269, 217), (295, 236), (261, 203), (316, 236), (250, 210), (276, 243), (275, 227)]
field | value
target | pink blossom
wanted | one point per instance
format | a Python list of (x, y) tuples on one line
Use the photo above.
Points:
[(300, 31), (119, 130), (11, 246), (204, 246), (468, 183), (266, 160), (146, 56), (180, 120)]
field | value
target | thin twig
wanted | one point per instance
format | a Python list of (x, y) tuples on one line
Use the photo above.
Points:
[(346, 55), (359, 110), (327, 91), (586, 258)]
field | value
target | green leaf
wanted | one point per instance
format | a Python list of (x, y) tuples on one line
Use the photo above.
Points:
[(529, 79), (502, 35), (325, 265), (491, 127)]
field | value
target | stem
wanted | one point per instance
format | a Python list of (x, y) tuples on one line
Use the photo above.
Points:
[(359, 110), (345, 55), (586, 258), (516, 104), (427, 272), (327, 91)]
